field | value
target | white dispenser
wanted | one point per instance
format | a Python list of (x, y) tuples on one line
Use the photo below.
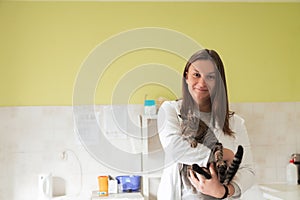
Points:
[(45, 187), (149, 107), (292, 173)]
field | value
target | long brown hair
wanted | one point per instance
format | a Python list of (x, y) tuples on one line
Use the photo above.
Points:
[(219, 99)]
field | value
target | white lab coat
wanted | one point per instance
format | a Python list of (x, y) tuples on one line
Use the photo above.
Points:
[(178, 151)]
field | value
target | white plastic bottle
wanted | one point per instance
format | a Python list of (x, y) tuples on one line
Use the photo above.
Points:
[(149, 107), (292, 173)]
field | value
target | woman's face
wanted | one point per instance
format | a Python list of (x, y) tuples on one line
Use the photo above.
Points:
[(201, 80)]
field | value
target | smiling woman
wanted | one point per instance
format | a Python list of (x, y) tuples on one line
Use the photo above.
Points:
[(43, 44), (203, 116)]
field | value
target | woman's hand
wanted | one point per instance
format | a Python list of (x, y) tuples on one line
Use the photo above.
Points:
[(211, 187)]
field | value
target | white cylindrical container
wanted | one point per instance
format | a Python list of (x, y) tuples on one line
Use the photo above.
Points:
[(149, 107), (45, 187), (292, 173)]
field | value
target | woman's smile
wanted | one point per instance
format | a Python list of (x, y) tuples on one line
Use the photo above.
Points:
[(201, 89)]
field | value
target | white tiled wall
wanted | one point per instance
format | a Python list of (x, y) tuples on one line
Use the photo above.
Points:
[(32, 138), (31, 141), (273, 130)]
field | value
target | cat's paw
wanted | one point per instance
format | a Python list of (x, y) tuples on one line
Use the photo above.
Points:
[(201, 170), (194, 144)]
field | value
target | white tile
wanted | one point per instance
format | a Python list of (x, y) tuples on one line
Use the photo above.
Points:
[(233, 106), (259, 108), (282, 157), (8, 188), (266, 175), (281, 174), (264, 156), (298, 142), (244, 110)]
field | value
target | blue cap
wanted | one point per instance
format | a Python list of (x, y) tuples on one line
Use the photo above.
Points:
[(149, 103)]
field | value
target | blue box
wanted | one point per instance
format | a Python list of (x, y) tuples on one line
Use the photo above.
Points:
[(129, 183)]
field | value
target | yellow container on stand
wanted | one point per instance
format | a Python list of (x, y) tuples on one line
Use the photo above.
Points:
[(103, 185)]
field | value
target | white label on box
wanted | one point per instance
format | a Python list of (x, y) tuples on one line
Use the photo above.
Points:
[(112, 186)]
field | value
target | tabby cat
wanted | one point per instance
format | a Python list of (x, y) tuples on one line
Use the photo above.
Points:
[(195, 131)]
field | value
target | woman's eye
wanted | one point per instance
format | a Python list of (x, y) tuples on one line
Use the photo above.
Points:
[(210, 77), (196, 75)]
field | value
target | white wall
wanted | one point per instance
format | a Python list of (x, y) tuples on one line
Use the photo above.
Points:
[(273, 130), (31, 142), (32, 138)]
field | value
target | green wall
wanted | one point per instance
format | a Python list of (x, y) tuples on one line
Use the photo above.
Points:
[(44, 44)]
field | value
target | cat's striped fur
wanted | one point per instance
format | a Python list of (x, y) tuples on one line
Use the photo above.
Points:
[(195, 131)]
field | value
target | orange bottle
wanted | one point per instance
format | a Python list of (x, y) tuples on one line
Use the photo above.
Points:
[(103, 185)]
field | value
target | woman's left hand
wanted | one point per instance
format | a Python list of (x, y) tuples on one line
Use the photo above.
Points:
[(211, 187)]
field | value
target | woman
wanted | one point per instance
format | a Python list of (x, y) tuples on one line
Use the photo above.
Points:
[(205, 95)]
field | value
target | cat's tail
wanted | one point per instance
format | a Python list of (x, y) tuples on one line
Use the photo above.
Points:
[(234, 166)]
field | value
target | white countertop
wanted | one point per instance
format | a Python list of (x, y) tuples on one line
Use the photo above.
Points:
[(119, 196), (280, 191)]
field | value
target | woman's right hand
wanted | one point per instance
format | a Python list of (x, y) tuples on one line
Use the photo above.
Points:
[(211, 187)]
